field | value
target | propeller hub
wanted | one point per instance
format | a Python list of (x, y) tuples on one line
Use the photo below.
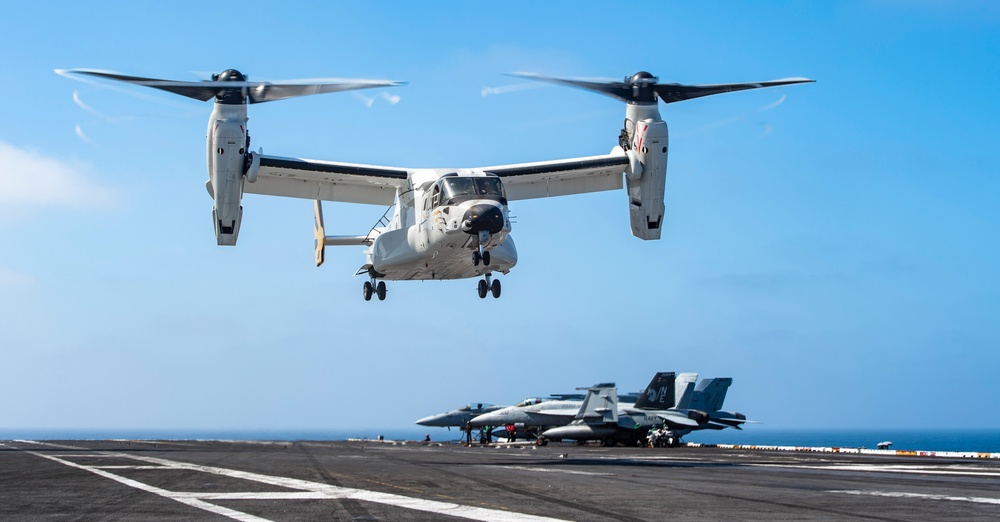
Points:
[(229, 75), (236, 95), (642, 77)]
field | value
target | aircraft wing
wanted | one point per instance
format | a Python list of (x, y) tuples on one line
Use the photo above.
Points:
[(327, 180), (562, 177), (676, 419)]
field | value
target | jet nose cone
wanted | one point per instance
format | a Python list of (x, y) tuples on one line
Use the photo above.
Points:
[(483, 217), (432, 420)]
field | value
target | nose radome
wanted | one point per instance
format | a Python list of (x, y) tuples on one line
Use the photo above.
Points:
[(483, 217)]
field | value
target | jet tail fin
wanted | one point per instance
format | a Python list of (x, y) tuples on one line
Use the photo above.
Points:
[(600, 405), (659, 394), (710, 394), (684, 388)]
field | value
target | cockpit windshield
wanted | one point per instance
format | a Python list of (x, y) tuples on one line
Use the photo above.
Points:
[(475, 406), (457, 188), (530, 401)]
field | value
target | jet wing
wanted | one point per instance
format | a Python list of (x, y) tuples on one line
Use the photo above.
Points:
[(677, 419), (327, 180), (562, 177)]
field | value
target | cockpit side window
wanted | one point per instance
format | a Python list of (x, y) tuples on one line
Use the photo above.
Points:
[(436, 196)]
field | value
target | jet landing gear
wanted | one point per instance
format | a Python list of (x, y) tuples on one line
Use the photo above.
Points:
[(373, 287), (486, 287)]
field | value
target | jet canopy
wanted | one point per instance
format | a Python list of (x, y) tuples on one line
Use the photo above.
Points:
[(475, 406), (452, 189)]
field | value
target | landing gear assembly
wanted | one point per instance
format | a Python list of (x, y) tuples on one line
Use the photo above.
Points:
[(486, 287), (480, 254), (373, 287)]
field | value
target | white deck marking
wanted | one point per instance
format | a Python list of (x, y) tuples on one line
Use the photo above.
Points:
[(550, 470), (308, 490), (899, 494), (889, 468)]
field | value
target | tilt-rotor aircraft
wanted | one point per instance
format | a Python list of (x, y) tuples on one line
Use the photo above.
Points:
[(441, 223)]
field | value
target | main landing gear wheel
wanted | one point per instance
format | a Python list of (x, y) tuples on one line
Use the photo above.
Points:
[(489, 286), (373, 286), (478, 256)]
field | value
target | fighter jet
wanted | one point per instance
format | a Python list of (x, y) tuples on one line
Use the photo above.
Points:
[(535, 411), (597, 418), (458, 417), (655, 409)]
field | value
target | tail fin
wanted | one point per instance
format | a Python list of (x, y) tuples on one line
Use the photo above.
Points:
[(711, 394), (600, 404), (659, 394), (684, 390)]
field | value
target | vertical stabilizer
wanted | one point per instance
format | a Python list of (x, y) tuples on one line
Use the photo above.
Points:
[(600, 405), (659, 394), (684, 388), (710, 394)]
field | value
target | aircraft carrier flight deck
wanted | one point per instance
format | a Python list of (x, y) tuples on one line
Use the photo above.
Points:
[(372, 480)]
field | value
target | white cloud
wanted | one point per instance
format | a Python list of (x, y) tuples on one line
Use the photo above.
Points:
[(30, 179), (80, 134), (505, 89)]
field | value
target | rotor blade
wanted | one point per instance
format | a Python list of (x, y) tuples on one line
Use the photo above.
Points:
[(618, 90), (257, 92), (640, 87), (260, 92), (675, 92), (202, 91)]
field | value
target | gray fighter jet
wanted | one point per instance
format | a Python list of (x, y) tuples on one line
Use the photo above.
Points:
[(656, 409), (536, 412), (458, 417)]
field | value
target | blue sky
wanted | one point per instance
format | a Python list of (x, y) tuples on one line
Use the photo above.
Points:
[(830, 246)]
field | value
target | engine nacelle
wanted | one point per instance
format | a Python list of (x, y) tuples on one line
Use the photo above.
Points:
[(226, 165), (252, 164), (645, 194)]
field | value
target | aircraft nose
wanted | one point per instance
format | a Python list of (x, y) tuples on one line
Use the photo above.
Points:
[(432, 420), (483, 217)]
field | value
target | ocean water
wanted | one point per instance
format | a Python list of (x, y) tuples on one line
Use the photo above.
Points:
[(903, 439)]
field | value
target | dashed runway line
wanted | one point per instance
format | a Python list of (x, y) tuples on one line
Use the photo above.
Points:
[(550, 470), (308, 490), (887, 468), (900, 494)]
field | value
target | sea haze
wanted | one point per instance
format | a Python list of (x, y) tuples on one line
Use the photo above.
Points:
[(987, 441)]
